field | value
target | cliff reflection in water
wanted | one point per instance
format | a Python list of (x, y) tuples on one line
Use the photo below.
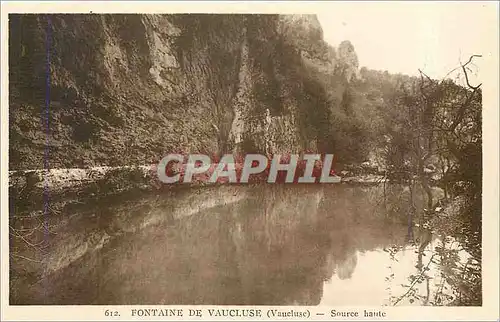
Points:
[(268, 245)]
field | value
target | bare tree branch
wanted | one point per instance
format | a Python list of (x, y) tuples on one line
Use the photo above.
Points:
[(26, 258), (464, 68)]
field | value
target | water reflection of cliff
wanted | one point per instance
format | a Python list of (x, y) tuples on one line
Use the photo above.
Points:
[(274, 245)]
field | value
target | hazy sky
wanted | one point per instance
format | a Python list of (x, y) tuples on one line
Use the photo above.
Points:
[(403, 37)]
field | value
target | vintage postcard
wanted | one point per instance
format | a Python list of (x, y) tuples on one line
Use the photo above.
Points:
[(250, 161)]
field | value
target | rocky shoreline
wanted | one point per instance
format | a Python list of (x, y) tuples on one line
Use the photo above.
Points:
[(67, 178)]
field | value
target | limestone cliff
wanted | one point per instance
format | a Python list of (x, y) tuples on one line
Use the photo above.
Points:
[(90, 90)]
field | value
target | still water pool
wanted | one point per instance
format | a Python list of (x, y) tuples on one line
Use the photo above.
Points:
[(337, 245)]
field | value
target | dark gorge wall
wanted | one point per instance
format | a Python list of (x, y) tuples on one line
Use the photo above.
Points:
[(89, 90)]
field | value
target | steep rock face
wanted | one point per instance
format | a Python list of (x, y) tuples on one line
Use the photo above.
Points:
[(90, 90), (348, 60)]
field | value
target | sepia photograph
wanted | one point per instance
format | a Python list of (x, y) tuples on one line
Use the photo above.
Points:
[(328, 159)]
